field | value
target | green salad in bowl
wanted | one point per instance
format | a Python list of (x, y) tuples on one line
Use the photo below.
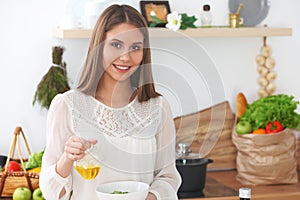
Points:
[(122, 190)]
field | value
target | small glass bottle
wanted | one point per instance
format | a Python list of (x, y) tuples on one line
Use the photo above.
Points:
[(206, 16), (245, 193)]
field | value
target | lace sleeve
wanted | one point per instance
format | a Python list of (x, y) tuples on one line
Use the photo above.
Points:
[(167, 179), (59, 129)]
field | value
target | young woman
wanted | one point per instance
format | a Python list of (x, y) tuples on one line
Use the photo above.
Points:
[(116, 109)]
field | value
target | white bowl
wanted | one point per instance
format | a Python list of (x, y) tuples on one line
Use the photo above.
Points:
[(136, 190)]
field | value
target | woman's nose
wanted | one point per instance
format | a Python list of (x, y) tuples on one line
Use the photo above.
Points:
[(125, 56)]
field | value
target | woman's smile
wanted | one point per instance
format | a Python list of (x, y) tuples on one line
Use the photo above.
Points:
[(121, 68)]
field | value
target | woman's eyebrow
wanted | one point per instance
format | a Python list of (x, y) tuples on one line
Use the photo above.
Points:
[(117, 40), (135, 43), (120, 41)]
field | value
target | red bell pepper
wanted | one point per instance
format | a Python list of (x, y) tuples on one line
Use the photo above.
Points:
[(274, 127)]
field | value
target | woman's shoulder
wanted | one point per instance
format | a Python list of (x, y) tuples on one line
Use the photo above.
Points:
[(159, 100), (156, 104), (68, 97), (71, 94)]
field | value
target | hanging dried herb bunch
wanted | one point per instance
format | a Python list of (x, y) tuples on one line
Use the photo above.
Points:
[(55, 81)]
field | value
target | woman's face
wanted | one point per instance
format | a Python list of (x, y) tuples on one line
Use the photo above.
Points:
[(122, 51)]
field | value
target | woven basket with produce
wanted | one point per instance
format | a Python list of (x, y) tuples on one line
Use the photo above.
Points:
[(265, 140), (20, 172)]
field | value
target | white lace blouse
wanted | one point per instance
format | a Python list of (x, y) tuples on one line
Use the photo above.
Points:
[(135, 142)]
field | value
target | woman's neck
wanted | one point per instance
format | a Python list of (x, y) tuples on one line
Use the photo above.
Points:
[(114, 93)]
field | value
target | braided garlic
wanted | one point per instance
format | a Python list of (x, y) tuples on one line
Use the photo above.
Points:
[(266, 71)]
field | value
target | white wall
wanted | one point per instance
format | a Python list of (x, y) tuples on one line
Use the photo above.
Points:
[(25, 51)]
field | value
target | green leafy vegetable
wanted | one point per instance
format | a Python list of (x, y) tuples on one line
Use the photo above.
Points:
[(34, 160), (119, 192), (279, 107)]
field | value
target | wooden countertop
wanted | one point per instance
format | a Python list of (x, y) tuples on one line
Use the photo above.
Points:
[(222, 185)]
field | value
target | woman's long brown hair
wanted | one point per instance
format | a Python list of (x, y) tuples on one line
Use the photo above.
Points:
[(93, 68)]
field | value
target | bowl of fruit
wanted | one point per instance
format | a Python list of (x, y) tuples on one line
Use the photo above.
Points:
[(122, 190)]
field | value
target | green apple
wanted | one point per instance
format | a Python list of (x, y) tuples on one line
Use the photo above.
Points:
[(22, 193), (243, 127), (37, 194)]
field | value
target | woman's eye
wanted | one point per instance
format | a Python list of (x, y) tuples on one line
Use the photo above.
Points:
[(116, 44), (136, 47)]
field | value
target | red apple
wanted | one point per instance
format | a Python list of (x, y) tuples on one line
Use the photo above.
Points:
[(13, 166)]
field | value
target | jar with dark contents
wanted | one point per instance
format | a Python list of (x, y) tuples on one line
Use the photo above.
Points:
[(206, 16)]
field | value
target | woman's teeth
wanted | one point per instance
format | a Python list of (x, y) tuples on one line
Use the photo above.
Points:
[(121, 67)]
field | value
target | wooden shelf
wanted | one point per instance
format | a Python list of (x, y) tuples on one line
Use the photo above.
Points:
[(197, 32), (72, 33)]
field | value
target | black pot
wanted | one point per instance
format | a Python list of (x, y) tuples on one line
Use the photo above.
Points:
[(193, 175)]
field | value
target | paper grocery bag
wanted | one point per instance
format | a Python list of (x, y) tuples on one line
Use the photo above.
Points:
[(265, 159)]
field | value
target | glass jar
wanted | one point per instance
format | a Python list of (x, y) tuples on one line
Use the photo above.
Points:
[(206, 16), (245, 193)]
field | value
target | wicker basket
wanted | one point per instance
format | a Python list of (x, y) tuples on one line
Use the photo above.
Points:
[(9, 181)]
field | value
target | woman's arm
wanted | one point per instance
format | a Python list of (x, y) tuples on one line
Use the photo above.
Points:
[(167, 179), (62, 149), (53, 183)]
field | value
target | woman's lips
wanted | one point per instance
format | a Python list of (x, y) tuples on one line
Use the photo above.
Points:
[(121, 68)]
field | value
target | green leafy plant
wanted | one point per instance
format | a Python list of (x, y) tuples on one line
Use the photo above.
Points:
[(175, 21), (55, 81), (34, 160), (279, 107), (187, 21)]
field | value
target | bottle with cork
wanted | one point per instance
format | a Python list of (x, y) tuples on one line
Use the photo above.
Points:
[(206, 16), (245, 193)]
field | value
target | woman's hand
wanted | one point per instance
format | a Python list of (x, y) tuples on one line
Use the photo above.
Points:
[(151, 196), (74, 150), (75, 147)]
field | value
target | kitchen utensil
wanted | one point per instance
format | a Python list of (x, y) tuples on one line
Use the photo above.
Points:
[(192, 168), (235, 20), (253, 12), (123, 190)]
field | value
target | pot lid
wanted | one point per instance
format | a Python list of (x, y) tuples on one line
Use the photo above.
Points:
[(193, 162), (183, 152)]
